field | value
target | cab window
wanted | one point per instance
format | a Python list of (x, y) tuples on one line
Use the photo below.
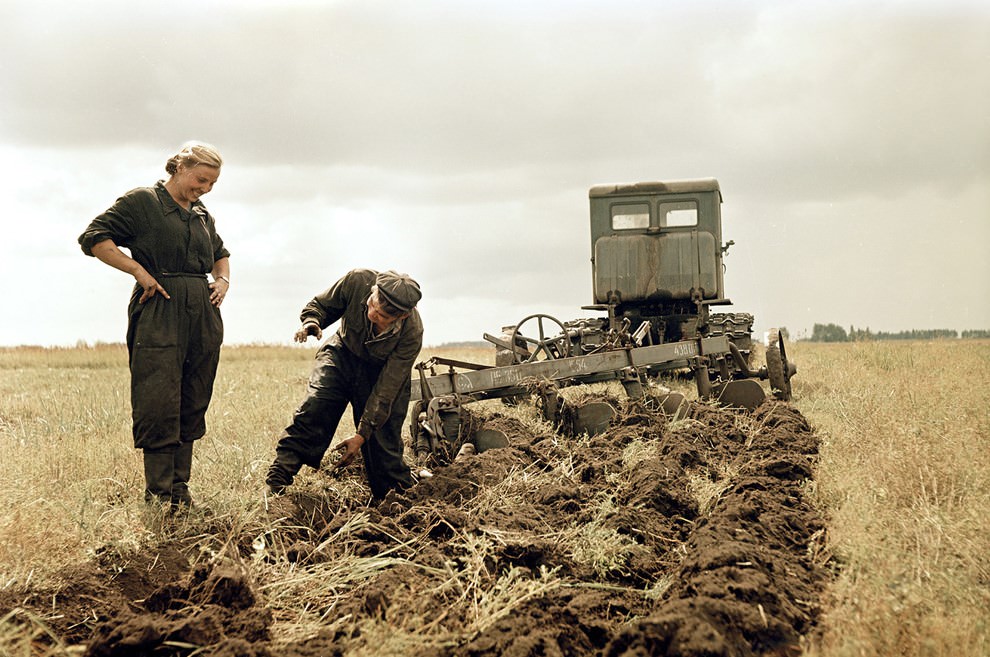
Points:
[(678, 213), (628, 216)]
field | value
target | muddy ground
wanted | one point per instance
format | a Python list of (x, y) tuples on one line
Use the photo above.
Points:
[(737, 572)]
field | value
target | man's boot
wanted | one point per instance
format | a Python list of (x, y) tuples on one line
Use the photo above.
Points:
[(180, 476), (159, 472), (282, 471)]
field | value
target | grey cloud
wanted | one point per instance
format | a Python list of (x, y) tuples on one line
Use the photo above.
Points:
[(470, 133), (824, 111)]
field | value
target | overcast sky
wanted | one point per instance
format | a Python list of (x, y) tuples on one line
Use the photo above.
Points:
[(456, 141)]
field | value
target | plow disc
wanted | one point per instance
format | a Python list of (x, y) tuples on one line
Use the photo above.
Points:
[(744, 393)]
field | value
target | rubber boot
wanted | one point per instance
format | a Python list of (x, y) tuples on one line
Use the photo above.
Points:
[(159, 472), (282, 471), (180, 476)]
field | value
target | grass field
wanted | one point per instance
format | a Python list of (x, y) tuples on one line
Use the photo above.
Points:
[(904, 478)]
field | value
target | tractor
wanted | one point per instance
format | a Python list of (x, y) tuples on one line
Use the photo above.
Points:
[(657, 272)]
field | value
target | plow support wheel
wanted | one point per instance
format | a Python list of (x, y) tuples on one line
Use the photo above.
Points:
[(778, 370)]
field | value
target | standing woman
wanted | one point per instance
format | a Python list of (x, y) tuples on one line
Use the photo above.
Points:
[(174, 328)]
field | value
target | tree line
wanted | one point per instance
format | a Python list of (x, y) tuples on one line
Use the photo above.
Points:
[(836, 333)]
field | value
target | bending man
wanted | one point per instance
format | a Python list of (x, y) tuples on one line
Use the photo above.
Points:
[(367, 363)]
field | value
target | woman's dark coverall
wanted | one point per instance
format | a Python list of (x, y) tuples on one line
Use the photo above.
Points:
[(372, 373), (174, 344)]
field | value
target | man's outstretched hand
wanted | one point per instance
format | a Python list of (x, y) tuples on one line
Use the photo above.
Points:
[(350, 448), (308, 329)]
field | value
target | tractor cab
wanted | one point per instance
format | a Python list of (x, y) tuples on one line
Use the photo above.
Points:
[(656, 255)]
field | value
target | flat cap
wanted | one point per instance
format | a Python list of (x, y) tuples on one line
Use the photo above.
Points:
[(399, 290)]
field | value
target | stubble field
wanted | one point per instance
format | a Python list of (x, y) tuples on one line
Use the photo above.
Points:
[(852, 521)]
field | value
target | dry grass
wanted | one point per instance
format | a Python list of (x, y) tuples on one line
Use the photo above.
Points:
[(904, 477)]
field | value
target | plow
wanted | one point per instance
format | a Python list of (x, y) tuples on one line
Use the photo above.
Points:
[(657, 263)]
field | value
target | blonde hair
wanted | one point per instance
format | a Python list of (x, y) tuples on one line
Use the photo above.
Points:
[(193, 153)]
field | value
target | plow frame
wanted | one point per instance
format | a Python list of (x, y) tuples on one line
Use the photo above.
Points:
[(440, 426), (625, 365)]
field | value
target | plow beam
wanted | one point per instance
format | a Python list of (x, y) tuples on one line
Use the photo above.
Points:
[(509, 380)]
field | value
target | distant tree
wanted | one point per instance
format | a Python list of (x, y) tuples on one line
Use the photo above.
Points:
[(860, 335), (919, 334), (835, 333), (784, 332), (828, 333)]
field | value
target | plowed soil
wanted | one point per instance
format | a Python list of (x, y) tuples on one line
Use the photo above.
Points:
[(723, 557)]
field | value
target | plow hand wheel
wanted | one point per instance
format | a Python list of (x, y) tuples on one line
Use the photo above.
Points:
[(777, 367), (558, 346)]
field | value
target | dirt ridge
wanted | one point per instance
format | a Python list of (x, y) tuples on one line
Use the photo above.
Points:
[(717, 552)]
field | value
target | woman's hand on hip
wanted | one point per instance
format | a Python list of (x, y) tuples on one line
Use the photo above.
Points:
[(218, 291), (150, 285)]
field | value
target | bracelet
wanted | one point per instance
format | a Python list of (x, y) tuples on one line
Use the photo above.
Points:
[(224, 279)]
